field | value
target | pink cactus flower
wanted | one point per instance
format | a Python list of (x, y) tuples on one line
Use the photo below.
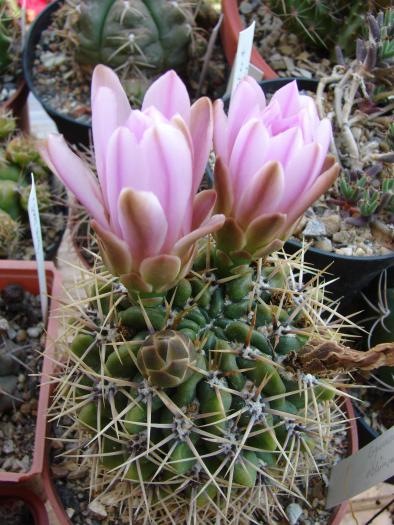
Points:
[(272, 164), (144, 207)]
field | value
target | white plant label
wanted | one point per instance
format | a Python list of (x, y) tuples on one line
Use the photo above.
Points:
[(242, 58), (369, 466), (35, 228)]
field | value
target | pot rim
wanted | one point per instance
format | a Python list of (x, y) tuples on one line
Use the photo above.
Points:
[(25, 272), (27, 62), (36, 506)]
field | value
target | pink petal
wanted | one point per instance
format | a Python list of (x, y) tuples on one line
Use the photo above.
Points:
[(201, 129), (203, 205), (288, 98), (123, 167), (283, 146), (185, 243), (220, 131), (138, 123), (271, 114), (110, 109), (259, 96), (308, 197), (169, 163), (323, 135), (262, 193), (104, 76), (299, 120), (244, 105), (309, 104), (143, 223), (248, 154), (169, 95), (302, 168), (75, 175)]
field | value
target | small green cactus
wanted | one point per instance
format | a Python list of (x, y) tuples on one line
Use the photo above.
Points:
[(9, 234), (325, 23), (9, 28), (192, 398), (19, 157), (7, 124), (142, 35)]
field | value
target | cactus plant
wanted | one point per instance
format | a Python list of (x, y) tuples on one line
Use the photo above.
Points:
[(9, 29), (19, 157), (140, 39), (325, 23), (141, 34), (199, 375), (241, 418), (382, 329)]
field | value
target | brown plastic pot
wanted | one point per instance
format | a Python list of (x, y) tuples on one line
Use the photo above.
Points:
[(336, 518), (229, 31), (34, 504), (17, 104), (25, 274)]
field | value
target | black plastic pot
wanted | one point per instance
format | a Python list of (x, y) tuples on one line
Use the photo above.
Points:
[(354, 273), (75, 132)]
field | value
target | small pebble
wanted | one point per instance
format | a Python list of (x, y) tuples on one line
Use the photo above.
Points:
[(294, 512), (34, 331), (314, 228)]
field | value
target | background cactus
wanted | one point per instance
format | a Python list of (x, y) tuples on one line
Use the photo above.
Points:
[(364, 87), (139, 33), (19, 158), (140, 39), (326, 23), (9, 29), (382, 328), (244, 420)]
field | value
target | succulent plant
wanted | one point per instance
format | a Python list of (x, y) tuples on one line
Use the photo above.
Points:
[(140, 39), (382, 329), (139, 33), (365, 187), (201, 370), (325, 23), (9, 28), (19, 157), (210, 392), (9, 234)]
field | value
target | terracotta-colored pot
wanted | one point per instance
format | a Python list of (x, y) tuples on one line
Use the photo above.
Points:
[(34, 504), (229, 31), (25, 274), (17, 104), (336, 518)]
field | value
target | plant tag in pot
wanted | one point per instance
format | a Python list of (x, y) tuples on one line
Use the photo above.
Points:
[(35, 228), (372, 464), (241, 64)]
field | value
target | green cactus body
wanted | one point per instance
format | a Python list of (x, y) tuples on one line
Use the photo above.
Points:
[(324, 23), (146, 34), (9, 198), (194, 392), (9, 233)]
